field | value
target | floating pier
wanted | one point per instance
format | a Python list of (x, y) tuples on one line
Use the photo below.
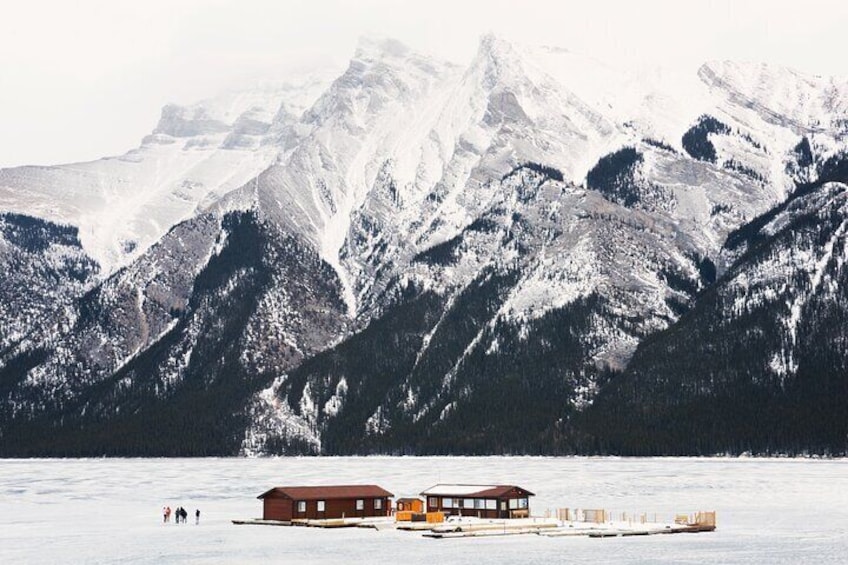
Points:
[(568, 523), (591, 523), (478, 526), (374, 522), (258, 522)]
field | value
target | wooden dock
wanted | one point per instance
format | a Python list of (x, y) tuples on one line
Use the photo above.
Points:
[(592, 523), (481, 533), (258, 522)]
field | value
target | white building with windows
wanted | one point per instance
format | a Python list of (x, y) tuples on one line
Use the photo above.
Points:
[(483, 501)]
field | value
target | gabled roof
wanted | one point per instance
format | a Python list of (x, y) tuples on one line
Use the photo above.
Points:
[(476, 491), (408, 499), (327, 492)]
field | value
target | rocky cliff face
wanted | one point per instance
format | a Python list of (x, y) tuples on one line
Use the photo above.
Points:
[(759, 364), (373, 262)]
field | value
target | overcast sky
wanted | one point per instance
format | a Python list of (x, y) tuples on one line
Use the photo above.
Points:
[(84, 79)]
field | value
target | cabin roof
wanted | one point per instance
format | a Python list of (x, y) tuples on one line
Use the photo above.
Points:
[(475, 491), (328, 492)]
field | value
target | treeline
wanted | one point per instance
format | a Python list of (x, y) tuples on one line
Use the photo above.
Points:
[(136, 411), (696, 140), (725, 380), (614, 176)]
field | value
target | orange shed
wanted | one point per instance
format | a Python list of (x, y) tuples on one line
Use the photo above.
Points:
[(409, 505)]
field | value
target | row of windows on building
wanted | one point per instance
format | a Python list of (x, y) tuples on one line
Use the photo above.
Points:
[(476, 503), (360, 505)]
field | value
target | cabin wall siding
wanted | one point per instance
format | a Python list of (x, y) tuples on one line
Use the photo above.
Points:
[(341, 507), (277, 509)]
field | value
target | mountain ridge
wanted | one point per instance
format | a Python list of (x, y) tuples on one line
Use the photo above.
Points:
[(516, 229)]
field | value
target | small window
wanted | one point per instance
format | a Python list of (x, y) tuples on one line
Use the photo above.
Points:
[(468, 503), (433, 502), (378, 504), (491, 504), (479, 504), (447, 503), (360, 504), (301, 506), (513, 503), (522, 503), (320, 506)]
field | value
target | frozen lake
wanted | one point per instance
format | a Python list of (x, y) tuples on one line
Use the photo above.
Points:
[(109, 510)]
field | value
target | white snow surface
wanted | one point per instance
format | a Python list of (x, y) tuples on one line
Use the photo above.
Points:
[(110, 510)]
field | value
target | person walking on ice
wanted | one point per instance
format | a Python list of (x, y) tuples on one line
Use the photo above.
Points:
[(196, 517)]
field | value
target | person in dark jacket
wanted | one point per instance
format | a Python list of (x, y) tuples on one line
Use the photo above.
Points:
[(196, 517)]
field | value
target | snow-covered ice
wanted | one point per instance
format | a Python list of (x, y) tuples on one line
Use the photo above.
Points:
[(109, 510)]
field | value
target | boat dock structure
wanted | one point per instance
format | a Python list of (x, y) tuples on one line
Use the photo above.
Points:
[(449, 511)]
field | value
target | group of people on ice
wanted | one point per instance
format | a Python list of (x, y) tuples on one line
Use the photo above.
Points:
[(181, 515)]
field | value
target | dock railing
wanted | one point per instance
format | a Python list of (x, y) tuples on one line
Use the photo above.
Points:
[(600, 516)]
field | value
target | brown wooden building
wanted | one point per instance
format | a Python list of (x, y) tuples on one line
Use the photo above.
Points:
[(484, 501), (349, 501)]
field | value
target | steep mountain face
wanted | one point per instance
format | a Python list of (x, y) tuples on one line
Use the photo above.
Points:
[(195, 156), (370, 262), (44, 269), (760, 363), (162, 356)]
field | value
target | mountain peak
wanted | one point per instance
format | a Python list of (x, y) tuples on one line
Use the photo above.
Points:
[(492, 43), (496, 48), (374, 47), (497, 58)]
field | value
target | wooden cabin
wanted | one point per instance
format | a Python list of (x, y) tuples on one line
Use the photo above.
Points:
[(319, 502), (484, 501), (414, 505)]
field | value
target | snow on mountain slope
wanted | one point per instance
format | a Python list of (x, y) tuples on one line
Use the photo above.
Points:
[(444, 131), (343, 139), (197, 154), (787, 280), (44, 270), (781, 95), (515, 105), (535, 204), (438, 177), (761, 356), (639, 240)]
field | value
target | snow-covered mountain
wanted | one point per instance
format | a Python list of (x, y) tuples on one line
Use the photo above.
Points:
[(514, 228), (196, 155), (760, 363)]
